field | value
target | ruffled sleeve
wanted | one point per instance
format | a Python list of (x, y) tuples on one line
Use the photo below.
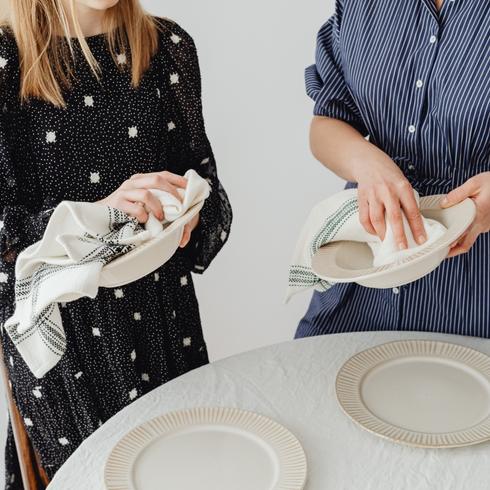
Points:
[(23, 218), (325, 82), (188, 146)]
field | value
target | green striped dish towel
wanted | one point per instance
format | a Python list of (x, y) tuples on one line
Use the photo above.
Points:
[(336, 219)]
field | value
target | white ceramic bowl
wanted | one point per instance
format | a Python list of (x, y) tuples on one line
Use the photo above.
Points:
[(147, 257), (347, 261)]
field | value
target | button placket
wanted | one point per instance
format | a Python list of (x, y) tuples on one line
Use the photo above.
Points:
[(394, 298), (421, 81)]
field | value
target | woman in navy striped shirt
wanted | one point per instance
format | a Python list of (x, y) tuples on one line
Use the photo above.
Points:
[(415, 77)]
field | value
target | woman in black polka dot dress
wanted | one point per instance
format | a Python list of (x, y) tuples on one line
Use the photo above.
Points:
[(131, 339)]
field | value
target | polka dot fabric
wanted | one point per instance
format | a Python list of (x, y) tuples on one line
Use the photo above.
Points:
[(130, 339)]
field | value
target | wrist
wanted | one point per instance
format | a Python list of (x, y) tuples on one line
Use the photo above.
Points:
[(374, 165), (363, 161)]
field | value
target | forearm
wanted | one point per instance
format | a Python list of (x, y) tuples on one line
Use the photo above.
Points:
[(342, 149)]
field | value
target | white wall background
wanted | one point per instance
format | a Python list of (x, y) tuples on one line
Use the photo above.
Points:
[(252, 56)]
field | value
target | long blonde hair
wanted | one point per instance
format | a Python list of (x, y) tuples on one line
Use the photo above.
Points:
[(46, 50)]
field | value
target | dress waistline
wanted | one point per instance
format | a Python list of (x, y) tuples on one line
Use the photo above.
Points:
[(426, 185)]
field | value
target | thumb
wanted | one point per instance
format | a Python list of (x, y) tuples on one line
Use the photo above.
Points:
[(459, 194)]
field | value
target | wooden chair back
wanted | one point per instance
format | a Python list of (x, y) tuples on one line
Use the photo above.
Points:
[(33, 475)]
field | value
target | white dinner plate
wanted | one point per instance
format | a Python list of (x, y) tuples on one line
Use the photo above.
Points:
[(148, 256), (419, 392), (347, 261), (207, 449)]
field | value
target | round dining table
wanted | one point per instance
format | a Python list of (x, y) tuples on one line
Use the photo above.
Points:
[(294, 384)]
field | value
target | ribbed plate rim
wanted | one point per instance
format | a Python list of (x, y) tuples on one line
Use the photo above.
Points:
[(350, 376), (290, 453)]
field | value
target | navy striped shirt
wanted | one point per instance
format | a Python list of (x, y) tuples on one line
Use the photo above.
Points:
[(417, 81)]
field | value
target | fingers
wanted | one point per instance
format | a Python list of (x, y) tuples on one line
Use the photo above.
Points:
[(377, 217), (364, 214), (469, 188), (150, 202), (186, 236), (386, 204), (176, 180), (413, 215), (166, 181), (165, 175), (465, 243), (188, 229), (394, 216), (137, 190), (154, 181), (135, 210), (460, 238)]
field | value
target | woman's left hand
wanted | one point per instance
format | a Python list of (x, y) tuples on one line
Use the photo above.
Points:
[(478, 189), (188, 229)]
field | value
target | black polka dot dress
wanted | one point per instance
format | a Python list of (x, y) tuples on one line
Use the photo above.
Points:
[(130, 339)]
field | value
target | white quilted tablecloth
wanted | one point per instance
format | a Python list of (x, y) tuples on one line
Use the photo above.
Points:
[(293, 383)]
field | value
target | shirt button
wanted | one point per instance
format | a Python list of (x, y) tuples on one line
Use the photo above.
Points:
[(395, 290), (411, 128), (432, 39), (411, 167), (419, 83)]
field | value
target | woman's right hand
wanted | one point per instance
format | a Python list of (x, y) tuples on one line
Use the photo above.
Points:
[(134, 197), (383, 190), (382, 187)]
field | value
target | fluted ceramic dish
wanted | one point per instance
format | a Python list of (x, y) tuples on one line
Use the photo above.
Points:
[(207, 449), (419, 392), (347, 261)]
